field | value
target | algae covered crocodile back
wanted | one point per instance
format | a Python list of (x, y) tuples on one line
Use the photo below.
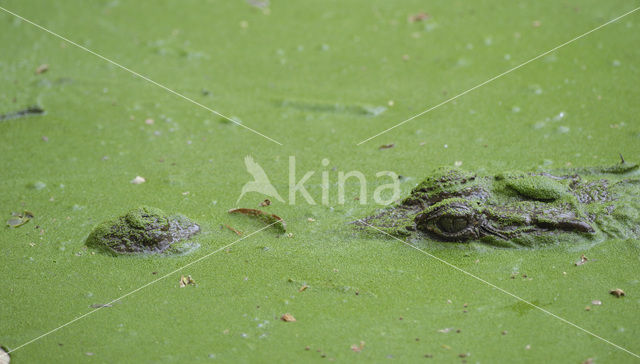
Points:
[(519, 208), (144, 230)]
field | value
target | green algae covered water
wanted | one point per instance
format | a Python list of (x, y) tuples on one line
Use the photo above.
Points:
[(319, 78)]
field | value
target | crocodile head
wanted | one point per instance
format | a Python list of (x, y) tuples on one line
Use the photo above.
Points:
[(513, 208)]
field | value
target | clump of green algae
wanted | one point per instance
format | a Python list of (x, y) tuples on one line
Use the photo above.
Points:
[(143, 230)]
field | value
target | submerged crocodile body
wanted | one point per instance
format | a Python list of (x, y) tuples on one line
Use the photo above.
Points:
[(519, 208)]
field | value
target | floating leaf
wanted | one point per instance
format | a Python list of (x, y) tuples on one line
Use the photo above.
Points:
[(617, 292), (42, 68), (287, 317), (238, 232), (19, 219), (264, 216)]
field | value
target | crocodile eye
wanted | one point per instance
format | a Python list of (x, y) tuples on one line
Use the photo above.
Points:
[(452, 224), (450, 220)]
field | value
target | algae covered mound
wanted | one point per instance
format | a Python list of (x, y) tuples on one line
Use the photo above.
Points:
[(519, 208), (144, 230)]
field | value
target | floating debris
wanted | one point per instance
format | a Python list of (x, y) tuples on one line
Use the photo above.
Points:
[(260, 4), (266, 202), (138, 180), (303, 288), (596, 302), (331, 107), (149, 121), (33, 110), (386, 146), (185, 281), (358, 348), (4, 356), (101, 305), (238, 232), (418, 17), (19, 219), (583, 259), (42, 69), (264, 216), (38, 185), (617, 292), (287, 317)]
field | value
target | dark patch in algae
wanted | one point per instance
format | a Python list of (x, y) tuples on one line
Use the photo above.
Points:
[(519, 208), (143, 230), (33, 110)]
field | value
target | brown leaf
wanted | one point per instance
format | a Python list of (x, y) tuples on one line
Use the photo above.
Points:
[(238, 232), (418, 17), (386, 146), (617, 292), (264, 216), (42, 68), (287, 317)]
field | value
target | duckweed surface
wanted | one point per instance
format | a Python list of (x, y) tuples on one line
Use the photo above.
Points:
[(319, 77)]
